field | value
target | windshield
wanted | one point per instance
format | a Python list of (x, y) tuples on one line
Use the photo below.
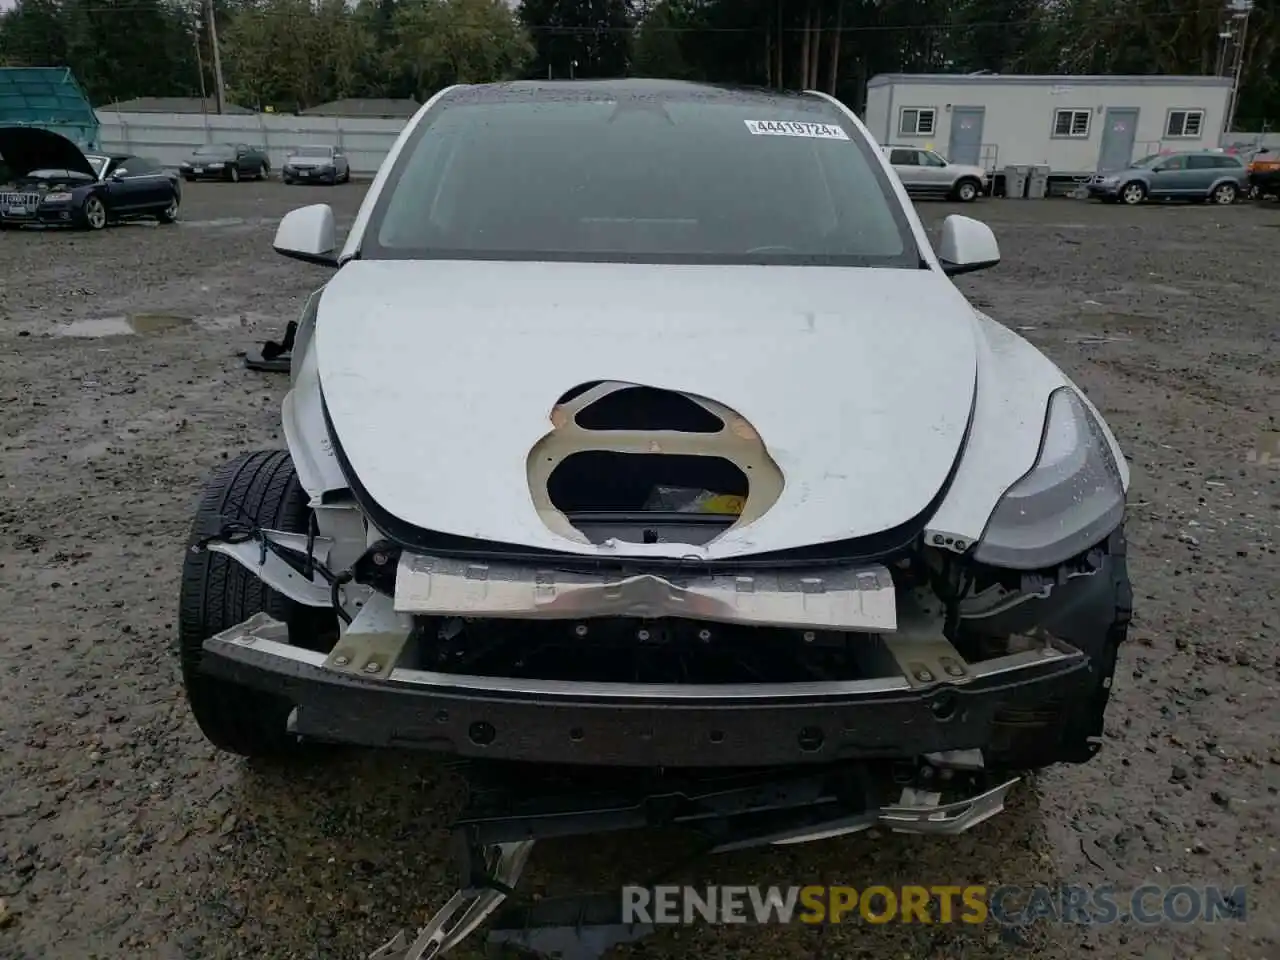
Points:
[(99, 164), (312, 152), (1148, 160), (672, 174), (216, 150), (55, 174)]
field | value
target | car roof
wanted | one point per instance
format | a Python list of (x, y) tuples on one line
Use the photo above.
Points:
[(550, 90)]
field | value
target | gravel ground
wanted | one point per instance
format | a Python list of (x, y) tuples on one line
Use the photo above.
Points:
[(123, 834)]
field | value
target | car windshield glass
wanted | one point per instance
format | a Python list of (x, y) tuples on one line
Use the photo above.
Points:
[(214, 151), (311, 152), (56, 174), (98, 163), (1149, 160), (676, 174)]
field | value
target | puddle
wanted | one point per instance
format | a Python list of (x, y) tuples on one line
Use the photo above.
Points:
[(125, 325)]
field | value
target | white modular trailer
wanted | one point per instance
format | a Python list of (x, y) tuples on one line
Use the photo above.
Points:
[(1074, 125)]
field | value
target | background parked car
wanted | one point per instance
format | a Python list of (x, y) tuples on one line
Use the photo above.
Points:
[(316, 164), (926, 173), (51, 182), (1198, 175), (1264, 173), (226, 161)]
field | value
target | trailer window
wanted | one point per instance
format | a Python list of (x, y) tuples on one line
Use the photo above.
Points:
[(1071, 123), (1184, 123), (916, 122)]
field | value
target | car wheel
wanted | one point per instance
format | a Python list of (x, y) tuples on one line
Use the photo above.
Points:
[(288, 181), (170, 213), (234, 174), (1133, 192), (189, 178), (346, 175), (967, 190), (95, 214), (1224, 193), (217, 593)]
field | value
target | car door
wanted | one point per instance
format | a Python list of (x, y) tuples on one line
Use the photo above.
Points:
[(245, 161), (1202, 172), (153, 188), (906, 164), (1168, 177), (935, 170), (125, 191)]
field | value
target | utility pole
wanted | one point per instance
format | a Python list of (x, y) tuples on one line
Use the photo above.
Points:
[(204, 96), (1238, 27), (220, 90)]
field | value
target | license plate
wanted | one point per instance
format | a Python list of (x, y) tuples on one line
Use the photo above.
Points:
[(15, 211), (304, 173), (197, 169)]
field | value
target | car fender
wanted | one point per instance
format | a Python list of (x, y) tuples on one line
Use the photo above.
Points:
[(302, 414), (1015, 381)]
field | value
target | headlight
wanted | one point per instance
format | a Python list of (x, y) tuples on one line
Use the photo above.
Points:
[(1108, 181), (56, 198), (1069, 501)]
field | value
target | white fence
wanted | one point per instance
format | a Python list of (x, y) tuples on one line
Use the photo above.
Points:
[(170, 137)]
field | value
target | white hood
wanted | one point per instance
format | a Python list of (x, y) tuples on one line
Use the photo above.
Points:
[(439, 377)]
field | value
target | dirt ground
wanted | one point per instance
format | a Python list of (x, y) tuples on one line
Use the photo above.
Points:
[(124, 835)]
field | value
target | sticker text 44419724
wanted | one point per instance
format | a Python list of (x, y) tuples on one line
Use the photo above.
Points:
[(796, 128)]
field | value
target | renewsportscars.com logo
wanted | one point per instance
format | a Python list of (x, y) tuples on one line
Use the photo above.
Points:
[(940, 903)]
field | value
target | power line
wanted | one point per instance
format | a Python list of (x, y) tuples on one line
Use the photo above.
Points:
[(606, 28)]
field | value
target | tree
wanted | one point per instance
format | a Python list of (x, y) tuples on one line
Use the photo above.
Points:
[(581, 38), (439, 42)]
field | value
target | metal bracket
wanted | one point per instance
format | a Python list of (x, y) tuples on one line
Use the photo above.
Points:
[(372, 643), (926, 661), (466, 910), (274, 572)]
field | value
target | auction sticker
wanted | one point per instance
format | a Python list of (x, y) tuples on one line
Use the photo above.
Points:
[(796, 128)]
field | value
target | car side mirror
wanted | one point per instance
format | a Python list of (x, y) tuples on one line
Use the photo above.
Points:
[(967, 245), (116, 175), (308, 234)]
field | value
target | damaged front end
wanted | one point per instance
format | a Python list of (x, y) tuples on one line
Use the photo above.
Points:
[(753, 700), (661, 669)]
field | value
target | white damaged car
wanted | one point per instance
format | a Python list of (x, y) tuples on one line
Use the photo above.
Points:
[(640, 425)]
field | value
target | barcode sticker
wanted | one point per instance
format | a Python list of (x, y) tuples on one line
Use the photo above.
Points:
[(796, 128)]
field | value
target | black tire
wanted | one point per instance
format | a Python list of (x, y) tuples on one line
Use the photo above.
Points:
[(288, 181), (95, 213), (170, 213), (217, 593), (1133, 193), (1224, 194), (967, 190)]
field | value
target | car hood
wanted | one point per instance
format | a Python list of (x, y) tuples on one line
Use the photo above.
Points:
[(30, 148), (439, 377)]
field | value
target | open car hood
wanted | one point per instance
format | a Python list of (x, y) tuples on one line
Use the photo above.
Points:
[(440, 378), (30, 148)]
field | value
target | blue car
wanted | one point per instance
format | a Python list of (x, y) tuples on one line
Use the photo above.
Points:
[(46, 180)]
